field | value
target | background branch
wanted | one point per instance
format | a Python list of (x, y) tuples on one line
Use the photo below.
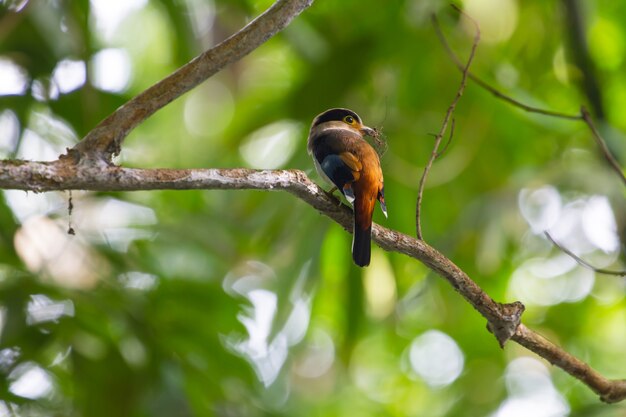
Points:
[(582, 261), (583, 115), (444, 126), (104, 141), (606, 152), (503, 319), (579, 49), (492, 90)]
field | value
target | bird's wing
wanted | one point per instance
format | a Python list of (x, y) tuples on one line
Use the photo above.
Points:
[(337, 170)]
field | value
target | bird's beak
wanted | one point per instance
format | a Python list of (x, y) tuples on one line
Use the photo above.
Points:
[(368, 131)]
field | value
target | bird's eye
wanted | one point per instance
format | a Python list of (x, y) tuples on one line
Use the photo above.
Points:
[(348, 119)]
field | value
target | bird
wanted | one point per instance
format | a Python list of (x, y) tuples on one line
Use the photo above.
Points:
[(344, 159)]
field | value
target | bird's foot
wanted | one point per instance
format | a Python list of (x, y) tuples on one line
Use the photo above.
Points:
[(331, 194)]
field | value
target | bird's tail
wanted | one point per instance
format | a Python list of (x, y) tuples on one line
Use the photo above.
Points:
[(361, 245)]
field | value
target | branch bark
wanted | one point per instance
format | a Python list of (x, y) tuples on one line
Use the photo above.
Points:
[(502, 319), (105, 140)]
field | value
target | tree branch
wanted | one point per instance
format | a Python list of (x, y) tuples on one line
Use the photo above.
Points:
[(497, 93), (503, 319), (579, 50), (104, 141), (583, 115), (581, 261), (606, 152), (444, 127)]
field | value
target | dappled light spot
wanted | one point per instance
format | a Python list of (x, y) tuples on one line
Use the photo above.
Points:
[(108, 14), (550, 281), (373, 369), (113, 222), (46, 137), (8, 358), (267, 357), (575, 229), (507, 75), (69, 75), (9, 132), (42, 309), (247, 277), (599, 224), (42, 89), (531, 392), (497, 19), (25, 205), (6, 408), (297, 323), (111, 70), (317, 357), (271, 146), (540, 207), (29, 380), (202, 17), (380, 286), (133, 351), (265, 348), (35, 147), (13, 78), (209, 109), (46, 248), (586, 226), (15, 5), (561, 67), (89, 345), (606, 43), (140, 281), (436, 358)]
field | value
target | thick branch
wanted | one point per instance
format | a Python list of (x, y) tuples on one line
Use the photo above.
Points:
[(105, 140), (609, 390), (503, 319)]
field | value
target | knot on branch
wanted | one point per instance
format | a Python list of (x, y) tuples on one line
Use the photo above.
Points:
[(505, 326), (616, 392)]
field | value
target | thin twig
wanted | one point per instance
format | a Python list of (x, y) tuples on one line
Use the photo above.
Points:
[(583, 115), (493, 90), (105, 140), (582, 261), (450, 136), (70, 210), (602, 144), (503, 318), (444, 126)]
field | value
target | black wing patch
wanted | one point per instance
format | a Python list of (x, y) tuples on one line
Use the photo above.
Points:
[(337, 171)]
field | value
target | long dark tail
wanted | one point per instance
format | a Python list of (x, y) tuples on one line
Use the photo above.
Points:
[(361, 245)]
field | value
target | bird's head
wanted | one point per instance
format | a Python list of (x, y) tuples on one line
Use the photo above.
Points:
[(341, 119)]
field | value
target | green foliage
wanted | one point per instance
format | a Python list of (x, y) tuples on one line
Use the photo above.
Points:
[(247, 303)]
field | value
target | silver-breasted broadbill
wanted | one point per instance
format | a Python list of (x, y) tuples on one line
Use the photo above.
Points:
[(345, 159)]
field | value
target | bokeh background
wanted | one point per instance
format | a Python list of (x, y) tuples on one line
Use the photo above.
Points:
[(229, 303)]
